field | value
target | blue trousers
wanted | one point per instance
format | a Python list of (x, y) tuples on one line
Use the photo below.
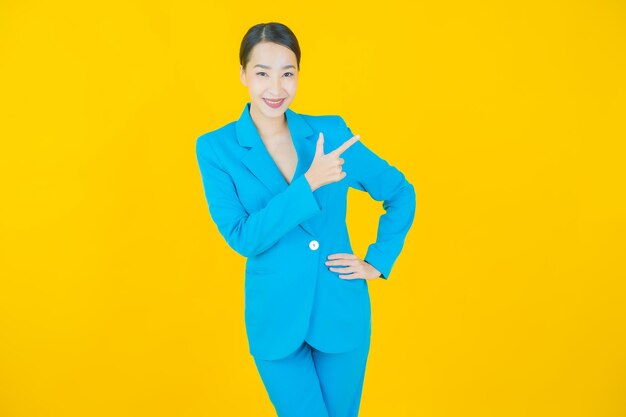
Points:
[(312, 383)]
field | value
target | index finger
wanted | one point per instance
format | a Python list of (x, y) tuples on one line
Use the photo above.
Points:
[(341, 148)]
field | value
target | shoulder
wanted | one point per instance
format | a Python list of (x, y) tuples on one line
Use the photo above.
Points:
[(322, 120), (220, 136), (332, 125)]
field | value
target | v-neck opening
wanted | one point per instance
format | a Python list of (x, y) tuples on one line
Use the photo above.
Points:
[(296, 147), (296, 171), (296, 150)]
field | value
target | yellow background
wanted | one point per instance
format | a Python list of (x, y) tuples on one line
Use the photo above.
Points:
[(118, 297)]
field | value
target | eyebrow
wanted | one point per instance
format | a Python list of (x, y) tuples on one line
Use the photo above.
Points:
[(268, 67)]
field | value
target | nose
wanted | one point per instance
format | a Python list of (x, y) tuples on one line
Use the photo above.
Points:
[(275, 87)]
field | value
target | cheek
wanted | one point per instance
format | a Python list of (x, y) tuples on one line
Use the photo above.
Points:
[(255, 86), (259, 91), (291, 85)]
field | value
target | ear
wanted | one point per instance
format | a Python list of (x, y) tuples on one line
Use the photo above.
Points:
[(242, 75)]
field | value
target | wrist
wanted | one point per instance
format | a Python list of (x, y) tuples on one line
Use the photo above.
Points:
[(310, 181)]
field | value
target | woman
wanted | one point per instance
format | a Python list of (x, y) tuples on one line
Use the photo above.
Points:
[(276, 185)]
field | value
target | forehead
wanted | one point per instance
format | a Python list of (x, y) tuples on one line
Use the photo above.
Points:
[(270, 53)]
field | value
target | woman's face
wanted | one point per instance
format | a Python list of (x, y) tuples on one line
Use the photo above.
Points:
[(271, 74)]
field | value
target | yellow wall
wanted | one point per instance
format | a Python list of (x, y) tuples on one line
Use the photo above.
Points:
[(118, 297)]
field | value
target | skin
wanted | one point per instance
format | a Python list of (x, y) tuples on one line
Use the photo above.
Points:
[(278, 78)]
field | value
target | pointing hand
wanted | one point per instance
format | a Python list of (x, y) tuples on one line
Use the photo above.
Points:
[(326, 168)]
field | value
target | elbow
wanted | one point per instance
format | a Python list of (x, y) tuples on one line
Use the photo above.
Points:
[(404, 197), (409, 195), (236, 238), (245, 244), (412, 195), (412, 200), (242, 246), (241, 249)]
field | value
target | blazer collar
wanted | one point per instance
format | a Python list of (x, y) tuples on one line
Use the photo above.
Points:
[(248, 135), (258, 160)]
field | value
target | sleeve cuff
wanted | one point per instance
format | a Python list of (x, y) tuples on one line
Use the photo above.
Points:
[(375, 258), (309, 201)]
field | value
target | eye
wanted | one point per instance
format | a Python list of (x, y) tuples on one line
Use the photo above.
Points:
[(261, 72)]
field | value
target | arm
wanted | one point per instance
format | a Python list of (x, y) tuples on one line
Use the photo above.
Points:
[(251, 233), (366, 171)]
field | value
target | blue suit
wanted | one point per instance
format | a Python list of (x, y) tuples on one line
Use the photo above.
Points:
[(286, 231)]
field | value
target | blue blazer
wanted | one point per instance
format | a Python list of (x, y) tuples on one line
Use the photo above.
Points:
[(286, 231)]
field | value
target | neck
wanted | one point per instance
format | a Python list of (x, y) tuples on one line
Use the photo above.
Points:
[(267, 126)]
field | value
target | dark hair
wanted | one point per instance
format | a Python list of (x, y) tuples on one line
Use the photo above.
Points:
[(268, 32)]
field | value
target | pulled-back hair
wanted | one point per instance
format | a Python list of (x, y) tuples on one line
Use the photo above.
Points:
[(268, 32)]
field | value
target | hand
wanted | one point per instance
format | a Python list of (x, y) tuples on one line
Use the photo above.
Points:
[(355, 268), (326, 169)]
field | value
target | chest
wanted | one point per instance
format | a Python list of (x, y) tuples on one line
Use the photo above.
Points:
[(283, 152)]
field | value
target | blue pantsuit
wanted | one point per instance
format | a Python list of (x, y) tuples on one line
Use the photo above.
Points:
[(285, 230), (312, 383)]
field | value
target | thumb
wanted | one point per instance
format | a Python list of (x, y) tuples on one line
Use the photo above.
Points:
[(319, 148)]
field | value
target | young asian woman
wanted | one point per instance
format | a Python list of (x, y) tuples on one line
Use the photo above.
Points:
[(276, 184)]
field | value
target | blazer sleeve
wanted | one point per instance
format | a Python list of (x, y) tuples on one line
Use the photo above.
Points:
[(368, 172), (249, 234)]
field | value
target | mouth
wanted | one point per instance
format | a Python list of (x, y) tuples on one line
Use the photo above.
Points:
[(276, 103)]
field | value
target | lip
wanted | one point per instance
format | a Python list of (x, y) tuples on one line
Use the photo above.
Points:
[(274, 105)]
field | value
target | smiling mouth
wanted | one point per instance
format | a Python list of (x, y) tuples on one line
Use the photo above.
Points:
[(274, 103)]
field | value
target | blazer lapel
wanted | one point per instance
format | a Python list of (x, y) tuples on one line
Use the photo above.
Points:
[(258, 160)]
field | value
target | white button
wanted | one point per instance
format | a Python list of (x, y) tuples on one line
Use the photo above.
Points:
[(314, 244)]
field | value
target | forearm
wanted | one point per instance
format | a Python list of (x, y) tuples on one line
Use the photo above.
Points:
[(260, 230), (252, 233)]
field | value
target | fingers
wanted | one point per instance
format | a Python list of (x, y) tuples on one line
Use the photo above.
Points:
[(319, 148), (346, 145), (341, 255)]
